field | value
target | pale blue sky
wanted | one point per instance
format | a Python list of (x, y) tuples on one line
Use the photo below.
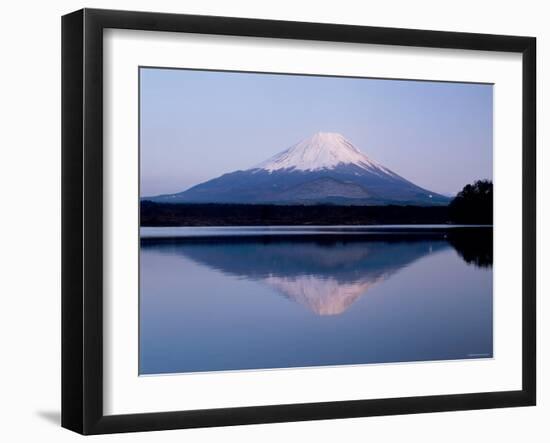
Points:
[(197, 125)]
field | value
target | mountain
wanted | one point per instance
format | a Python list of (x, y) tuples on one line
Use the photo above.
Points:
[(325, 168)]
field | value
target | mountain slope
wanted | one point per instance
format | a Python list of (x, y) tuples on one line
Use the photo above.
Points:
[(326, 168)]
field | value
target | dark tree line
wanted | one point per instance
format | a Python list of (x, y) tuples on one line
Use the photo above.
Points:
[(164, 214), (474, 204)]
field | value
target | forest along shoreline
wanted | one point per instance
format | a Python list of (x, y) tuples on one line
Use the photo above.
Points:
[(212, 214), (472, 205)]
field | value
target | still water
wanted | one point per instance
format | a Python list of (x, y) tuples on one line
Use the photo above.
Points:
[(214, 299)]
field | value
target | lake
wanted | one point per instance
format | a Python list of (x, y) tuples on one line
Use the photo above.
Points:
[(219, 299)]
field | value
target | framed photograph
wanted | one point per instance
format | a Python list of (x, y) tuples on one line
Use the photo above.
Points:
[(269, 221)]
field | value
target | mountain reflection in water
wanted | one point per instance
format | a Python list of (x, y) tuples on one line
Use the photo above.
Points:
[(217, 299), (325, 273)]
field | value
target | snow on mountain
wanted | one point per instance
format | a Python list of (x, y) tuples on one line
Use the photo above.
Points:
[(324, 150)]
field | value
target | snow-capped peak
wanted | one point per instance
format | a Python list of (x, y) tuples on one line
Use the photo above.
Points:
[(324, 150)]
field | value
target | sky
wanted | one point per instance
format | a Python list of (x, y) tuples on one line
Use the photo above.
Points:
[(197, 125)]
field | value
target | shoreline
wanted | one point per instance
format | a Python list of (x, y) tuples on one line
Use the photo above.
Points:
[(308, 233)]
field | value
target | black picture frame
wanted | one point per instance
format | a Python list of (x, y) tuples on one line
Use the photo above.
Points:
[(82, 220)]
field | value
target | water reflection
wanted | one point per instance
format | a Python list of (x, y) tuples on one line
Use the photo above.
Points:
[(474, 246), (254, 301), (326, 274)]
